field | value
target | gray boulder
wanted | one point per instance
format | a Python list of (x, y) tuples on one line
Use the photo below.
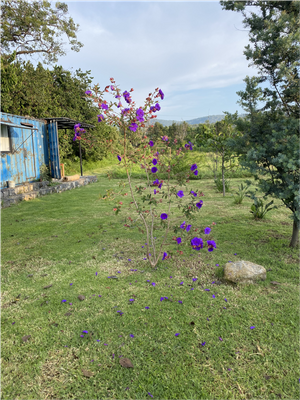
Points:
[(244, 272)]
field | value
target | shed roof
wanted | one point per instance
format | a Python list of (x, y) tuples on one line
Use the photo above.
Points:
[(68, 123), (23, 125)]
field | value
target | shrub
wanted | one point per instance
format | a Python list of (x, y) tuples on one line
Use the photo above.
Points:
[(243, 190)]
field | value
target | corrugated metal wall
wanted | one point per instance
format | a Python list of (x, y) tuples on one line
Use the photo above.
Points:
[(24, 163), (54, 149)]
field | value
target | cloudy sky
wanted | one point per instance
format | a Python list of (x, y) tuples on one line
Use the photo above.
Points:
[(193, 51)]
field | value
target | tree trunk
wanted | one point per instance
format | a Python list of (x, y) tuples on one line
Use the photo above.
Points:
[(295, 234), (216, 170), (223, 179)]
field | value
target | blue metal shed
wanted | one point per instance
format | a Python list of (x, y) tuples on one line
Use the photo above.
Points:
[(27, 143)]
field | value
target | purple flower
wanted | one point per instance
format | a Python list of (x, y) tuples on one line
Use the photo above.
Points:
[(182, 225), (181, 283), (197, 243), (147, 308), (194, 279), (180, 194), (157, 106), (133, 127), (13, 323), (119, 158), (225, 308), (71, 284), (154, 191), (99, 295), (196, 172), (96, 273), (229, 369), (177, 334), (199, 205), (153, 283), (100, 117), (203, 343), (207, 290), (178, 240), (252, 327), (220, 339), (192, 288), (192, 192), (171, 277), (127, 97), (188, 228), (156, 182), (105, 344), (131, 335), (81, 335), (119, 272), (164, 216), (70, 304), (129, 259), (154, 161), (131, 299), (207, 319), (193, 168), (88, 92), (85, 332), (179, 301), (150, 394), (213, 296), (162, 298), (151, 144), (125, 111), (104, 106), (161, 94), (63, 301), (217, 265), (160, 185), (211, 245), (140, 115), (225, 300), (153, 170), (164, 256), (207, 231)]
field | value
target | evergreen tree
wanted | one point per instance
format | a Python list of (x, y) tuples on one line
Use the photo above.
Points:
[(269, 145)]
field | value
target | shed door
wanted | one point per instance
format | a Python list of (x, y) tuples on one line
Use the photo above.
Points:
[(54, 150), (28, 152)]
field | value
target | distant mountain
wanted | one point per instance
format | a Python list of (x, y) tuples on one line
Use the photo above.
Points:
[(196, 121)]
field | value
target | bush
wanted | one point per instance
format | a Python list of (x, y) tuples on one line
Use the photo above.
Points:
[(243, 190), (45, 173), (258, 209)]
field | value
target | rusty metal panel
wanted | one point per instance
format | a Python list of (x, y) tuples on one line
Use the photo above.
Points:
[(54, 149), (29, 150)]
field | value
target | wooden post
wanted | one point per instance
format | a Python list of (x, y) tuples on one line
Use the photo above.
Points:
[(62, 170), (80, 158)]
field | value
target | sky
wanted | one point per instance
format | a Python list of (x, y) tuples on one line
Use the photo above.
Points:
[(192, 51)]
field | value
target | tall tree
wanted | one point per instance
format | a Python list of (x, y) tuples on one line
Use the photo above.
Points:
[(29, 28), (216, 137), (270, 142)]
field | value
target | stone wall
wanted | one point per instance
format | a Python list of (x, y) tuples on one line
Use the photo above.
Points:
[(30, 191)]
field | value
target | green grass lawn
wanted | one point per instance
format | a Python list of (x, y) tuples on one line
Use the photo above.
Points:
[(190, 345)]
